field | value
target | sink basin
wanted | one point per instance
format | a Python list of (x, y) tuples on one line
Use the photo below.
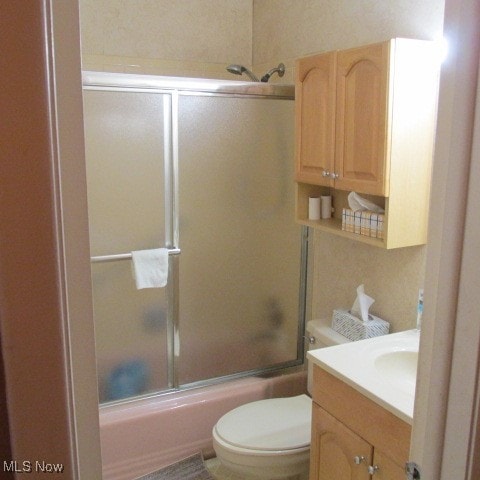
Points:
[(398, 367), (382, 368)]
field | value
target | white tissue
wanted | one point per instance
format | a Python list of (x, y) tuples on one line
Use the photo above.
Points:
[(356, 202), (362, 304)]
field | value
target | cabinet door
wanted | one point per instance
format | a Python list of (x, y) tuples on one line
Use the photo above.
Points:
[(387, 468), (361, 119), (334, 448), (315, 118)]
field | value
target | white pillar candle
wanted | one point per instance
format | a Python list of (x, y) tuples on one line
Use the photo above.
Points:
[(314, 208), (326, 206)]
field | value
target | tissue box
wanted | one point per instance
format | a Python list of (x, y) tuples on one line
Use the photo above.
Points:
[(355, 329)]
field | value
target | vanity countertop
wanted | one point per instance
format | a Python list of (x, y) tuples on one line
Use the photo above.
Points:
[(383, 369)]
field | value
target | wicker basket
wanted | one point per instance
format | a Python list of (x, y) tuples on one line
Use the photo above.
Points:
[(355, 329)]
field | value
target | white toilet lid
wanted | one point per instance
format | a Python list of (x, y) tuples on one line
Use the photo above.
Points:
[(272, 424)]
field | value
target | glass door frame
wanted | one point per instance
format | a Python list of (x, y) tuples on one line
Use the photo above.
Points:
[(172, 88)]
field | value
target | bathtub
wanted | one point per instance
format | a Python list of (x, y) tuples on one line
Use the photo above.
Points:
[(141, 436)]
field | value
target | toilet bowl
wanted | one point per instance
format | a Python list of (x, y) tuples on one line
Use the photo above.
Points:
[(270, 439), (267, 438)]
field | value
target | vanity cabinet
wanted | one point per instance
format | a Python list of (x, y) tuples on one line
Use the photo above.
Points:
[(335, 448), (365, 121), (353, 438)]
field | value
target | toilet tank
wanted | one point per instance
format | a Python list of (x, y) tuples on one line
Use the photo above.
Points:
[(319, 335)]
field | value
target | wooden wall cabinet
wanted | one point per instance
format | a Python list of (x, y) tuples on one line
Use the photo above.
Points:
[(315, 90), (353, 438), (365, 122)]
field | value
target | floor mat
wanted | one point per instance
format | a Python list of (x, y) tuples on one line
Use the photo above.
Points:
[(191, 468)]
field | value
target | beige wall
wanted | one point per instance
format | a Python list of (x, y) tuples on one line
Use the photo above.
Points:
[(184, 37), (391, 277), (286, 29), (199, 37)]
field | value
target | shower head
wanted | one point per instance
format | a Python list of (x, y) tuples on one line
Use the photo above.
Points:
[(280, 70), (239, 69)]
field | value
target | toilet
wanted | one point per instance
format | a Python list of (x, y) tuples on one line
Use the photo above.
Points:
[(270, 439)]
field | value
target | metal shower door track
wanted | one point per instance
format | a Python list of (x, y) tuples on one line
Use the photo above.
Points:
[(184, 85)]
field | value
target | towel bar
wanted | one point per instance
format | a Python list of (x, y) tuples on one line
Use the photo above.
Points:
[(125, 256)]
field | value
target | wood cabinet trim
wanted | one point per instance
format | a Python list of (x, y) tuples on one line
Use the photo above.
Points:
[(363, 416), (388, 469)]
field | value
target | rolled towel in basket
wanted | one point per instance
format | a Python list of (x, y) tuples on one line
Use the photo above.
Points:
[(150, 268)]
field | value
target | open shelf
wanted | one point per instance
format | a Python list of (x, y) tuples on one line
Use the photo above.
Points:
[(334, 225)]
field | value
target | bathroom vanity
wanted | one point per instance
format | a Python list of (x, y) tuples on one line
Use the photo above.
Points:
[(363, 394)]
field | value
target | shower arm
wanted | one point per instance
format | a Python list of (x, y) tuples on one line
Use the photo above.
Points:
[(280, 70)]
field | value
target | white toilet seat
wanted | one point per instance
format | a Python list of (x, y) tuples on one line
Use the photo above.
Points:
[(228, 447), (275, 424), (267, 438)]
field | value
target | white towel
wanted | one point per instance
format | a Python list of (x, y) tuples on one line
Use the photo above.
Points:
[(150, 268)]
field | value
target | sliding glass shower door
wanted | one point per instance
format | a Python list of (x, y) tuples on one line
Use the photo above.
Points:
[(240, 263), (125, 145), (206, 174)]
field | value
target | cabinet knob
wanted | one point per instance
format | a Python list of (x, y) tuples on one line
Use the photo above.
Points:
[(326, 173), (334, 175), (358, 459), (373, 469)]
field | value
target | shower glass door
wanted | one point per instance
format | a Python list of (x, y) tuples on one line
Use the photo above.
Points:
[(124, 134), (209, 175), (240, 262)]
